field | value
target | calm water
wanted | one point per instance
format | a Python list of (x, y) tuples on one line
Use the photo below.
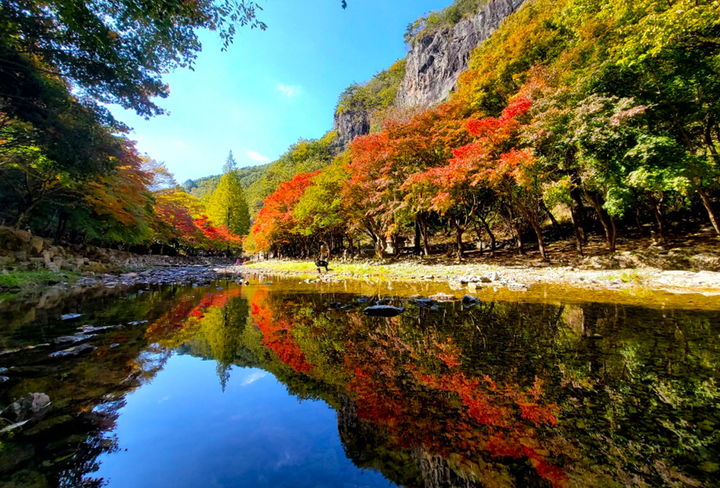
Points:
[(282, 386)]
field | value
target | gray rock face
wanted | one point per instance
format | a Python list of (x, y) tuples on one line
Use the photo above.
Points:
[(436, 61), (349, 125)]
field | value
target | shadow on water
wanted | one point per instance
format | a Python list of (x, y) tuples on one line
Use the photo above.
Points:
[(493, 394)]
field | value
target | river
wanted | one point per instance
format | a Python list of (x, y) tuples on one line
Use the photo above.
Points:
[(286, 384)]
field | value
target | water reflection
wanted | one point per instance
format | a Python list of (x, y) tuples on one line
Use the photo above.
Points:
[(498, 394)]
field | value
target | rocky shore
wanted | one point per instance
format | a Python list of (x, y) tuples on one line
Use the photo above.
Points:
[(22, 251), (472, 277)]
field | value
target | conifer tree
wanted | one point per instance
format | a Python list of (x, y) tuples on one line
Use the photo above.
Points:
[(226, 205)]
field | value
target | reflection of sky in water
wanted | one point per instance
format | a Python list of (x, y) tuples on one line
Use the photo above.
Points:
[(181, 430)]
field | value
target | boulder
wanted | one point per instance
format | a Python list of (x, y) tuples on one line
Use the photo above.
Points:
[(37, 244)]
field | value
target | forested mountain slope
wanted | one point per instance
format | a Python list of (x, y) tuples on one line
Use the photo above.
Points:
[(605, 113), (440, 45)]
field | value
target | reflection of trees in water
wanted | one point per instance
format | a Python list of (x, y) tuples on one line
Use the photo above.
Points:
[(62, 447), (513, 394), (502, 394)]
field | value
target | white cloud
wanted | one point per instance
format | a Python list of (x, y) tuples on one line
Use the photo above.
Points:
[(289, 91), (257, 157), (252, 378)]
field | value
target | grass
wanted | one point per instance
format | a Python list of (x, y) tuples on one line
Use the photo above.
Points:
[(30, 279), (395, 271), (631, 276)]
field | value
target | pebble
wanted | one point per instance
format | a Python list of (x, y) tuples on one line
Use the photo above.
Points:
[(443, 297)]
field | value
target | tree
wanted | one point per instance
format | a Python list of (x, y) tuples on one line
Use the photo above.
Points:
[(302, 157), (319, 212), (227, 207), (115, 52), (230, 164), (489, 167), (380, 163), (275, 223)]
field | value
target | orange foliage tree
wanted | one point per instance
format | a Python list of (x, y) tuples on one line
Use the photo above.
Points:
[(274, 226), (380, 163), (490, 167)]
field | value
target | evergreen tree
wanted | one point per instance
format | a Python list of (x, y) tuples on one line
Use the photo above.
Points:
[(230, 163), (226, 204)]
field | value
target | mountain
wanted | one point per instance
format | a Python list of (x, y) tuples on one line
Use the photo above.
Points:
[(440, 45), (203, 186)]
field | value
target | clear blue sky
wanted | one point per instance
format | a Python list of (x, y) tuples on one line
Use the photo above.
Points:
[(272, 87)]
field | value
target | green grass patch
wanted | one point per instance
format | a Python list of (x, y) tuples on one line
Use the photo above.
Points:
[(391, 271), (631, 276), (27, 279)]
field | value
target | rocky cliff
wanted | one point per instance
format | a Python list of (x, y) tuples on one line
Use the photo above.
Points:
[(349, 124), (436, 60)]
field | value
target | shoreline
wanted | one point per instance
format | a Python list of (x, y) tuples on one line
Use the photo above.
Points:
[(636, 286), (640, 286), (512, 277)]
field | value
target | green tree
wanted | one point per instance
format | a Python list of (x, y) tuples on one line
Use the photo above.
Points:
[(320, 210), (114, 52), (227, 206)]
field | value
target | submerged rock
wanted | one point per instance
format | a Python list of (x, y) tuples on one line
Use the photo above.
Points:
[(91, 328), (73, 351), (470, 301), (72, 339), (383, 311), (70, 316), (426, 303), (30, 406)]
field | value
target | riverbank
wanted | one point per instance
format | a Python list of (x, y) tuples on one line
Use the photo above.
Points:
[(51, 286), (473, 277)]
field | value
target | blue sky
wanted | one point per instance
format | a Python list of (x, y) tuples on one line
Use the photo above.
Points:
[(272, 87)]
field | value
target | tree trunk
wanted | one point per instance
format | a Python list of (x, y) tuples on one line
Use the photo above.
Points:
[(659, 219), (397, 244), (493, 242), (518, 238), (578, 207), (417, 238), (538, 233), (577, 227), (606, 220), (714, 219), (552, 218), (379, 247), (459, 230), (426, 247)]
